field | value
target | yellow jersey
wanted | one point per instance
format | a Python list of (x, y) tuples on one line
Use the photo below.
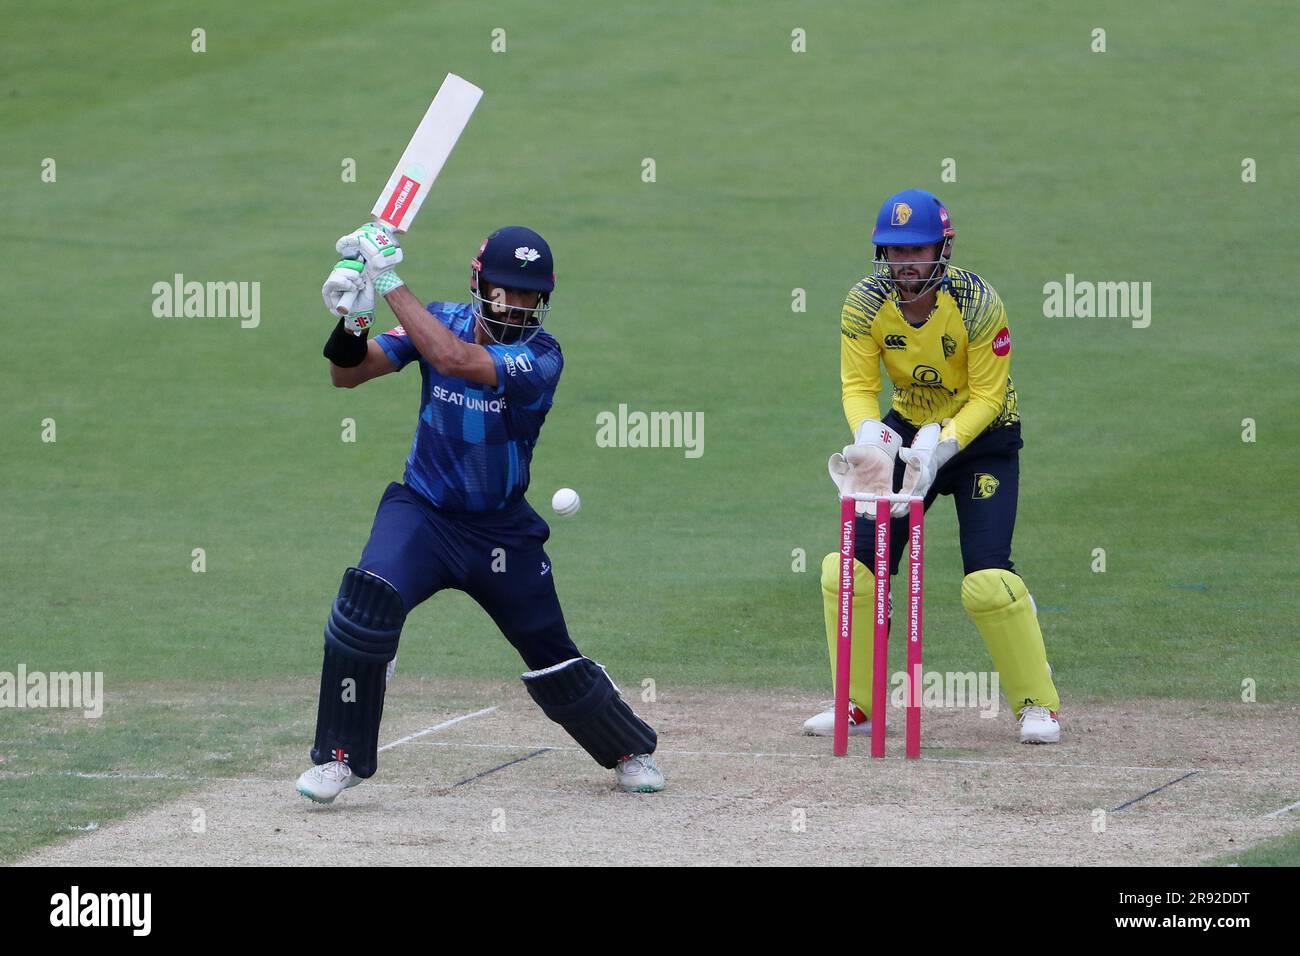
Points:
[(956, 365)]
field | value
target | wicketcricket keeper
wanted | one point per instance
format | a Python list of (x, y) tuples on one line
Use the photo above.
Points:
[(459, 519), (942, 335)]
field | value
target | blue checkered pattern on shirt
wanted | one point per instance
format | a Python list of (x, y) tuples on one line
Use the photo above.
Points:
[(474, 443)]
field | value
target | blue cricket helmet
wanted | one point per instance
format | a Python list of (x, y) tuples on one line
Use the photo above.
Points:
[(518, 258), (913, 217)]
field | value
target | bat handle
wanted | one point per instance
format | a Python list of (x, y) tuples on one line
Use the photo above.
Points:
[(345, 303)]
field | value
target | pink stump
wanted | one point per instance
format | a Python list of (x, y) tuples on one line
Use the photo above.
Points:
[(880, 657), (844, 648), (915, 593)]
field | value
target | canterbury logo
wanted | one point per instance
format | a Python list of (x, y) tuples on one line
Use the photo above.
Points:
[(985, 486), (895, 341)]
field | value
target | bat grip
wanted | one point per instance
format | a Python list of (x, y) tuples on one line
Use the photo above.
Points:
[(345, 302)]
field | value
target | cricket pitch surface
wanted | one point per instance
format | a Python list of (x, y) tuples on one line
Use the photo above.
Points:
[(473, 774)]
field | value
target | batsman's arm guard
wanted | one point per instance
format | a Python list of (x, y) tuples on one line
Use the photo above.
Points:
[(579, 696)]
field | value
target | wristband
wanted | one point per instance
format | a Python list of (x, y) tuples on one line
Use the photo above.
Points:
[(346, 349)]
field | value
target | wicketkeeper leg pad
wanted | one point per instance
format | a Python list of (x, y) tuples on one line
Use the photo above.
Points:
[(999, 604), (579, 696), (864, 608), (360, 639)]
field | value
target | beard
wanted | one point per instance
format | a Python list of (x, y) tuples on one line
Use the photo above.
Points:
[(910, 284)]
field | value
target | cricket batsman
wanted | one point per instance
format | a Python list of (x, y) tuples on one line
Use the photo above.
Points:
[(459, 519), (953, 429)]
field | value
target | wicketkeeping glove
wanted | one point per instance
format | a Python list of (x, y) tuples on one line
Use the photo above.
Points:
[(925, 456), (867, 466)]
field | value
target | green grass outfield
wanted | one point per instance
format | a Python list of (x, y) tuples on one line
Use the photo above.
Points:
[(175, 434), (1282, 851)]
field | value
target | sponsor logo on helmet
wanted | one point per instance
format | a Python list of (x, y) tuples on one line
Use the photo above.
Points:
[(943, 218), (1002, 342), (527, 255), (901, 214)]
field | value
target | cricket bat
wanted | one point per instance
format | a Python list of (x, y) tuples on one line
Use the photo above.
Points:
[(425, 154)]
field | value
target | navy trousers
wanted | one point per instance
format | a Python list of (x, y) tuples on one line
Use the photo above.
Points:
[(496, 558), (984, 482)]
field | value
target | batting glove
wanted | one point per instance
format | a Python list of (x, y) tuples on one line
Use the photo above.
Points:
[(347, 276), (377, 247)]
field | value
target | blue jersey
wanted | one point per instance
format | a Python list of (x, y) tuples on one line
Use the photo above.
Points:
[(474, 443)]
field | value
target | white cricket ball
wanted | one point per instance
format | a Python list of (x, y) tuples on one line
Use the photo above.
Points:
[(566, 502)]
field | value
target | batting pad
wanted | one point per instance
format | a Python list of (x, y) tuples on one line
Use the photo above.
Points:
[(360, 639), (579, 696)]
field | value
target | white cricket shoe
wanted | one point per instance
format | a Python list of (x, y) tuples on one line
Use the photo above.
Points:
[(1038, 725), (639, 774), (823, 725), (324, 782)]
